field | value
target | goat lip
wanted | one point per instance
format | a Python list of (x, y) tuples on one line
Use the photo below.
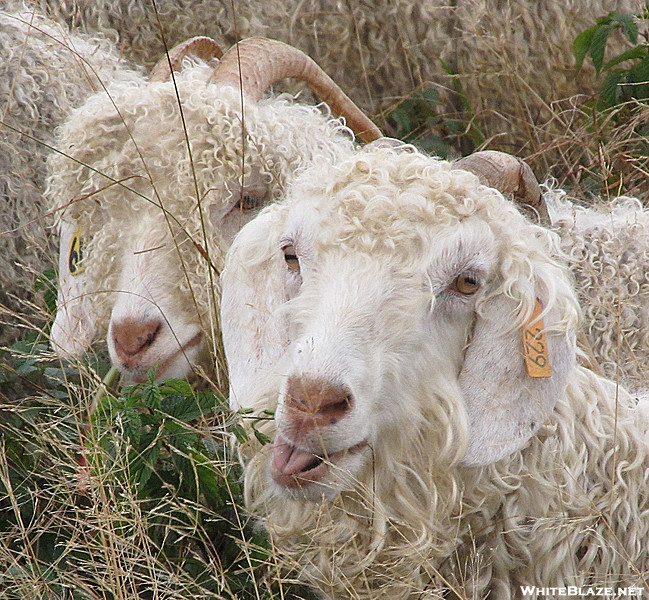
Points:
[(292, 467), (140, 376)]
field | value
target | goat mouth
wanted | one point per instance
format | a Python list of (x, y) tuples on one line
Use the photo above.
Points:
[(141, 376), (292, 467)]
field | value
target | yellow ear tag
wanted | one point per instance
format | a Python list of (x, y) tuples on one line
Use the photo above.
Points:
[(535, 347), (75, 255)]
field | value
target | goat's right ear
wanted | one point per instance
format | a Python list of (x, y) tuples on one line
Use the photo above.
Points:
[(254, 333), (74, 326), (505, 403)]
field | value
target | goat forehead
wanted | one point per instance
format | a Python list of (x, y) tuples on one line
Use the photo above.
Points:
[(367, 221), (412, 235)]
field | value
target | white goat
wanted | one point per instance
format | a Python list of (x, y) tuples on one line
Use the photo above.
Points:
[(45, 72), (153, 180), (415, 335), (607, 245)]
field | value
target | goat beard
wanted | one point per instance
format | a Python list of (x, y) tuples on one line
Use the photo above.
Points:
[(401, 511)]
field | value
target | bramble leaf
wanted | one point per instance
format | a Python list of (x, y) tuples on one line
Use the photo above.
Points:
[(582, 44), (598, 46)]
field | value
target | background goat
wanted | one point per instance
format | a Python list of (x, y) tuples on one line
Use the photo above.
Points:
[(154, 190)]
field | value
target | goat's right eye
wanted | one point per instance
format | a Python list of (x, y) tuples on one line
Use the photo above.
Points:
[(291, 259)]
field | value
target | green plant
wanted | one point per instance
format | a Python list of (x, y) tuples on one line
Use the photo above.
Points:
[(627, 74), (610, 153), (142, 500), (417, 120)]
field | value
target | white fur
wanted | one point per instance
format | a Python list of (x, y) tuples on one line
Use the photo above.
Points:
[(450, 467), (157, 216), (45, 72), (607, 245)]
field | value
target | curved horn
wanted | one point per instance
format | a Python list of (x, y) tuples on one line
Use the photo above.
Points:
[(511, 176), (200, 46), (257, 63)]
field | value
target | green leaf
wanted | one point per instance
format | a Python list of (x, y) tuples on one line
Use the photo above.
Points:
[(144, 466), (610, 90), (401, 118), (151, 373), (132, 425), (629, 24), (47, 284), (640, 72), (582, 44), (176, 386), (207, 481), (598, 46), (430, 96), (262, 438), (26, 368), (184, 408), (240, 433), (151, 396), (639, 52)]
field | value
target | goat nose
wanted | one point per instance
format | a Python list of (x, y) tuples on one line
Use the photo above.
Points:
[(133, 337), (316, 403)]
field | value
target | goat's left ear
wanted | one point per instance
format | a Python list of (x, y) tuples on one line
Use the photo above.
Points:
[(253, 287), (75, 325), (505, 404)]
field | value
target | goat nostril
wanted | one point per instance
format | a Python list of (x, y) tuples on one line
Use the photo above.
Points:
[(337, 407), (319, 402), (133, 337)]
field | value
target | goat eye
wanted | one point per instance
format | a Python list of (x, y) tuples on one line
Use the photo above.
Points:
[(291, 259), (466, 284), (249, 201)]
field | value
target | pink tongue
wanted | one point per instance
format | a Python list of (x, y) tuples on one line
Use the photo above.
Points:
[(287, 459)]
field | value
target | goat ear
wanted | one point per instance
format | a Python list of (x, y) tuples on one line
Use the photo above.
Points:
[(74, 326), (253, 287), (505, 405)]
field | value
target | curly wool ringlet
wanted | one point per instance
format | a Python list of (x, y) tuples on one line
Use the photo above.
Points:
[(45, 71), (607, 246), (512, 60), (125, 170), (569, 508)]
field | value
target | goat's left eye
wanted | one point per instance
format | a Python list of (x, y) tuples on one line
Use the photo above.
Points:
[(291, 259), (466, 284)]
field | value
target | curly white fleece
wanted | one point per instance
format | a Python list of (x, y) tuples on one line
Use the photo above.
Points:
[(125, 166), (569, 508), (607, 245), (45, 72)]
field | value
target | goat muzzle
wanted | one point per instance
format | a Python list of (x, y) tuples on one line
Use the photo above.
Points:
[(313, 403)]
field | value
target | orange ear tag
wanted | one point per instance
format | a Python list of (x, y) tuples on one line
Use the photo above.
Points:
[(535, 348)]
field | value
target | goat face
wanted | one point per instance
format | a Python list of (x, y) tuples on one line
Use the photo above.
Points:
[(155, 289), (362, 319), (153, 321)]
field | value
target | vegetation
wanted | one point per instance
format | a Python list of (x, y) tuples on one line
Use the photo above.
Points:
[(614, 129), (140, 500)]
